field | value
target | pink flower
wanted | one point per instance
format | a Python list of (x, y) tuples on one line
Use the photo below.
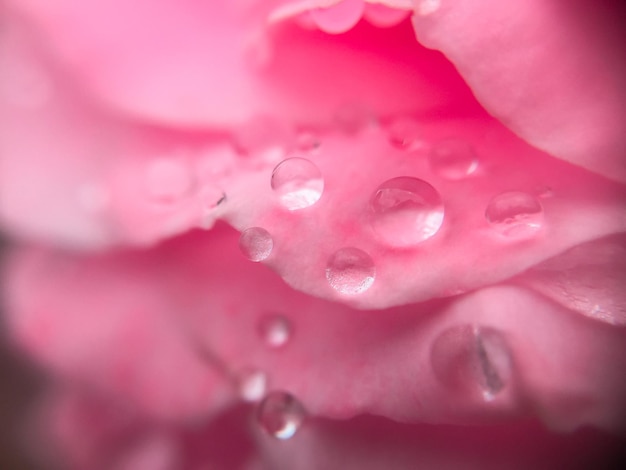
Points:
[(444, 248)]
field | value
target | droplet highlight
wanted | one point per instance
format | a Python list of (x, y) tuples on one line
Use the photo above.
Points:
[(453, 159), (280, 415), (335, 17), (469, 358), (350, 271), (405, 133), (256, 243), (405, 211), (251, 384), (274, 330), (168, 180), (298, 183), (515, 214)]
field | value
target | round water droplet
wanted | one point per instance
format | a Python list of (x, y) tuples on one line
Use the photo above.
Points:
[(405, 211), (405, 133), (275, 330), (515, 214), (298, 183), (350, 271), (256, 243), (337, 17), (252, 384), (453, 159), (168, 180), (280, 414), (472, 359)]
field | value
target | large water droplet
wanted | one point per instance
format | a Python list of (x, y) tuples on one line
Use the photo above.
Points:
[(280, 414), (298, 183), (405, 133), (515, 214), (350, 271), (337, 17), (274, 330), (252, 384), (453, 159), (256, 243), (469, 358), (406, 211), (168, 180)]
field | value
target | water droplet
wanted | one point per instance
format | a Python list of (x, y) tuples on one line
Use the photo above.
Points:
[(337, 17), (252, 384), (404, 133), (405, 211), (168, 180), (256, 243), (453, 159), (350, 271), (275, 330), (515, 214), (280, 414), (469, 358), (298, 183)]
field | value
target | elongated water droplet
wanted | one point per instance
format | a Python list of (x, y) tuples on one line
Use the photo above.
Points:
[(252, 384), (280, 415), (168, 180), (453, 159), (298, 183), (337, 17), (405, 133), (256, 243), (350, 271), (468, 358), (405, 211), (274, 330), (515, 214)]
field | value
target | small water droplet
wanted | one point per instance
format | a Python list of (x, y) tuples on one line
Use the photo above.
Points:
[(168, 180), (252, 384), (337, 17), (298, 183), (405, 211), (350, 271), (453, 159), (466, 358), (256, 243), (405, 133), (280, 414), (515, 214), (275, 330)]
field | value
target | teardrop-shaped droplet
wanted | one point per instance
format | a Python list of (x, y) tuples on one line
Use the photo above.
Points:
[(168, 180), (405, 211), (252, 384), (350, 271), (468, 358), (280, 415), (337, 17), (515, 214), (298, 183), (274, 330), (453, 159), (405, 133), (256, 243)]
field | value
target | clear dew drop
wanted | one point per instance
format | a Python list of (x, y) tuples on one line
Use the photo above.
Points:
[(256, 243), (337, 17), (405, 211), (468, 358), (453, 159), (280, 415), (168, 180), (350, 271), (515, 214), (251, 384), (274, 330), (405, 133), (298, 183)]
